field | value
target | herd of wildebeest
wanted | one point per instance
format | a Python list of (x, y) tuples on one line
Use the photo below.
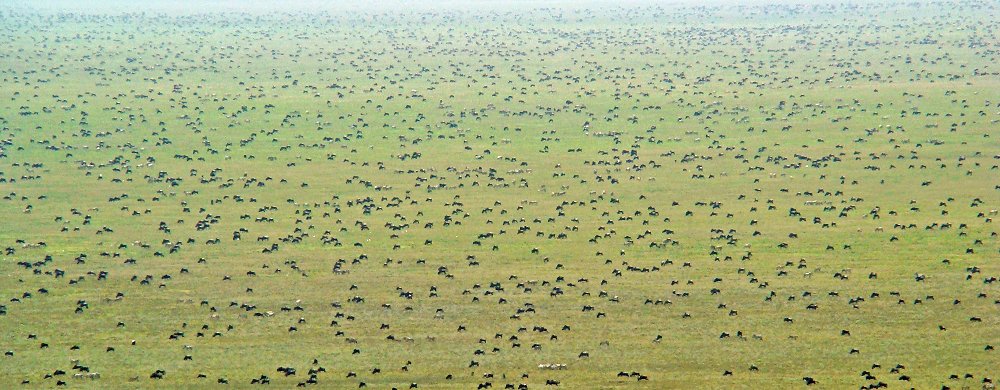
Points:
[(571, 195)]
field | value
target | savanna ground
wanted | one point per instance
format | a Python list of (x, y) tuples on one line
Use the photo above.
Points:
[(453, 195)]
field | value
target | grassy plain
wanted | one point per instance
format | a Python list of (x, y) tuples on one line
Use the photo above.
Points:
[(482, 173)]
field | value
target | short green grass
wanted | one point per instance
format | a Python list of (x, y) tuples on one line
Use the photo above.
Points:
[(592, 140)]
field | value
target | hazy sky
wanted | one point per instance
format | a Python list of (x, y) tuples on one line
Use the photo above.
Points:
[(253, 6)]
